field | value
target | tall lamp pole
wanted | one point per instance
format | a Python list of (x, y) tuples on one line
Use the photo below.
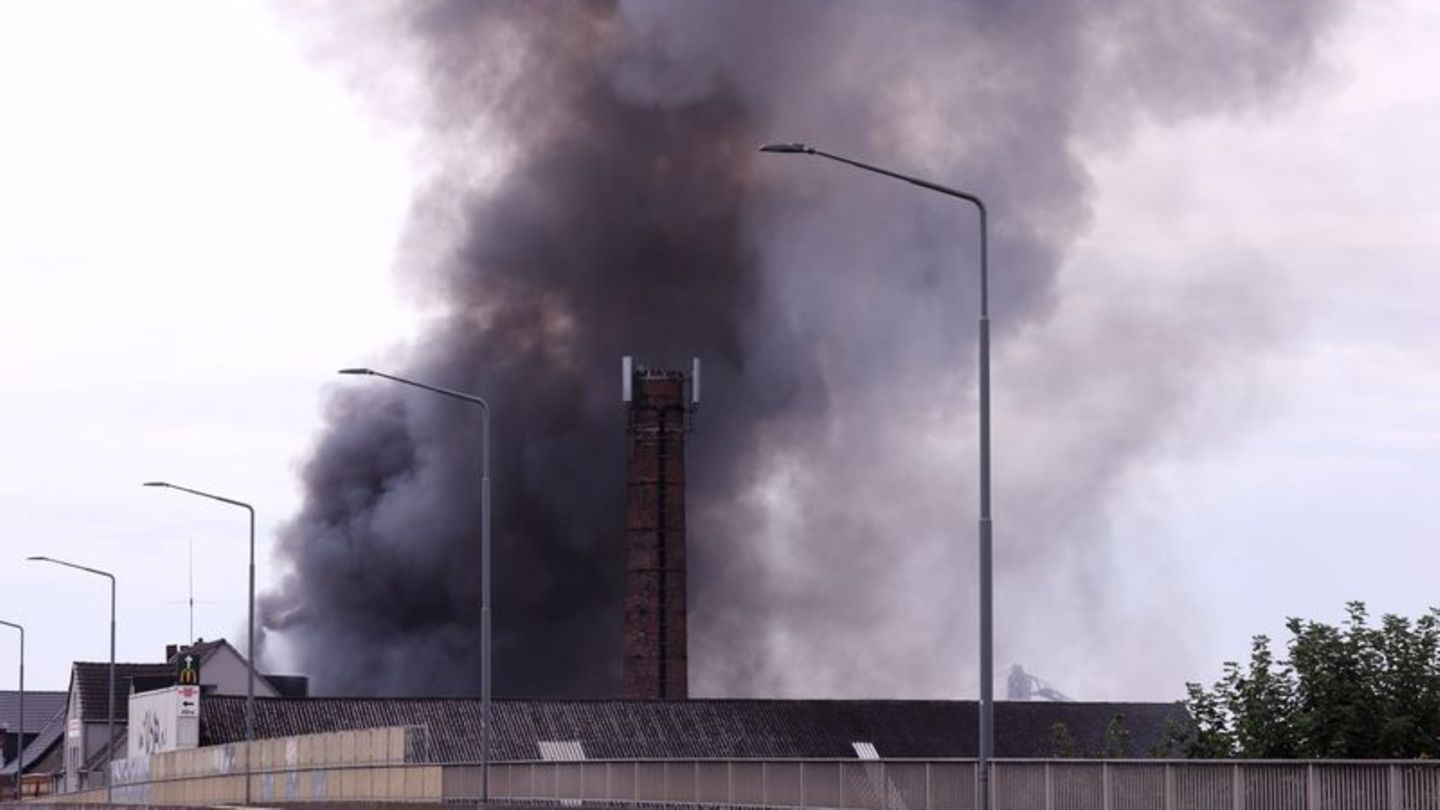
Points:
[(20, 735), (110, 717), (484, 557), (250, 626), (987, 667)]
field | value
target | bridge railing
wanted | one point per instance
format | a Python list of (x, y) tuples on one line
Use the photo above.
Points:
[(1067, 784)]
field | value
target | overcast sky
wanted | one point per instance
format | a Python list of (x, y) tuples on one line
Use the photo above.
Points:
[(200, 226)]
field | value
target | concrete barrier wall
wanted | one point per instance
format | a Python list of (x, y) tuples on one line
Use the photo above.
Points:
[(362, 765)]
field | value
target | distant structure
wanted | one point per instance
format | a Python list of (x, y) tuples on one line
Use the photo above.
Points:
[(1021, 685), (655, 646)]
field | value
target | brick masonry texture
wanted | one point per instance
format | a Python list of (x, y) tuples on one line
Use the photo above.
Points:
[(655, 656)]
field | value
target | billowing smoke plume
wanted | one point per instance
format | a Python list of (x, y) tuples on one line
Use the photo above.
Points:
[(596, 192)]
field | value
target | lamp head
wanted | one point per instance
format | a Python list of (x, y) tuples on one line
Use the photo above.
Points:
[(788, 148), (156, 484), (356, 371), (38, 558)]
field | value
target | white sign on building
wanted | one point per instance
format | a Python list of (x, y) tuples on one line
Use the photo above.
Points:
[(164, 720), (189, 701)]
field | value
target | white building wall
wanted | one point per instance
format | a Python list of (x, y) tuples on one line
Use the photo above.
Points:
[(74, 739), (226, 671)]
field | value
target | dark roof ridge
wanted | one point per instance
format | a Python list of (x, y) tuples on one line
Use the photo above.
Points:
[(753, 701), (119, 664)]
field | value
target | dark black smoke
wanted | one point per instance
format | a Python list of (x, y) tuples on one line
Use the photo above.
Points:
[(595, 192)]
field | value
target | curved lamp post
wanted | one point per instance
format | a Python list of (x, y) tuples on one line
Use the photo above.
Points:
[(20, 735), (987, 675), (110, 716), (250, 626), (484, 557)]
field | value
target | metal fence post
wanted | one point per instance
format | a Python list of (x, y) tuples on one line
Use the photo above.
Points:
[(1237, 788), (1395, 787), (994, 784), (927, 786), (1312, 784), (1049, 788), (1169, 786), (1105, 785)]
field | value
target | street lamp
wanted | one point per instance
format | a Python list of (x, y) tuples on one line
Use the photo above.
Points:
[(20, 735), (484, 557), (987, 685), (250, 628), (110, 718)]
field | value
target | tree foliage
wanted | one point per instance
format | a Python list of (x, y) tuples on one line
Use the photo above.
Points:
[(1064, 742), (1352, 691), (1116, 742)]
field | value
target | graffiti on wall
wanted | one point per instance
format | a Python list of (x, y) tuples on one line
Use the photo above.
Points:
[(151, 737)]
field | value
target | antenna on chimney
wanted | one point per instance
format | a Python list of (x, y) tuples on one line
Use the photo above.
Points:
[(627, 369), (694, 381)]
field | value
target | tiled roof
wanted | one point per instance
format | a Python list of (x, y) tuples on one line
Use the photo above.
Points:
[(39, 707), (93, 678), (639, 729), (289, 686), (48, 733), (202, 649), (1030, 725)]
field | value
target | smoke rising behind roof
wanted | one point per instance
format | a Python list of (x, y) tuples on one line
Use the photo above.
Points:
[(595, 192)]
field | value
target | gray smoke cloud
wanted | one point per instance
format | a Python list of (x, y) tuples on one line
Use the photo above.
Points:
[(595, 191)]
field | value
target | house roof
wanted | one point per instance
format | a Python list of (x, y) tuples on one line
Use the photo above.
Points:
[(289, 686), (92, 679), (39, 707), (642, 729), (204, 649), (48, 735)]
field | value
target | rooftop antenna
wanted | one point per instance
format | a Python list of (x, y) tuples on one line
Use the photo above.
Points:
[(191, 634), (190, 601)]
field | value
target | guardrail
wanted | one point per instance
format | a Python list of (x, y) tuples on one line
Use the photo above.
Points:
[(950, 785)]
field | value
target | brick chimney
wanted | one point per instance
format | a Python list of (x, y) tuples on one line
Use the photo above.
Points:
[(656, 659)]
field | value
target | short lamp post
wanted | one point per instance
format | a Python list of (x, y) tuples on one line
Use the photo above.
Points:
[(110, 714), (484, 556), (20, 733), (987, 674), (250, 626)]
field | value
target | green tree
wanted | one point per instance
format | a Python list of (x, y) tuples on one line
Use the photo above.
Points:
[(1117, 739), (1352, 691), (1064, 742)]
